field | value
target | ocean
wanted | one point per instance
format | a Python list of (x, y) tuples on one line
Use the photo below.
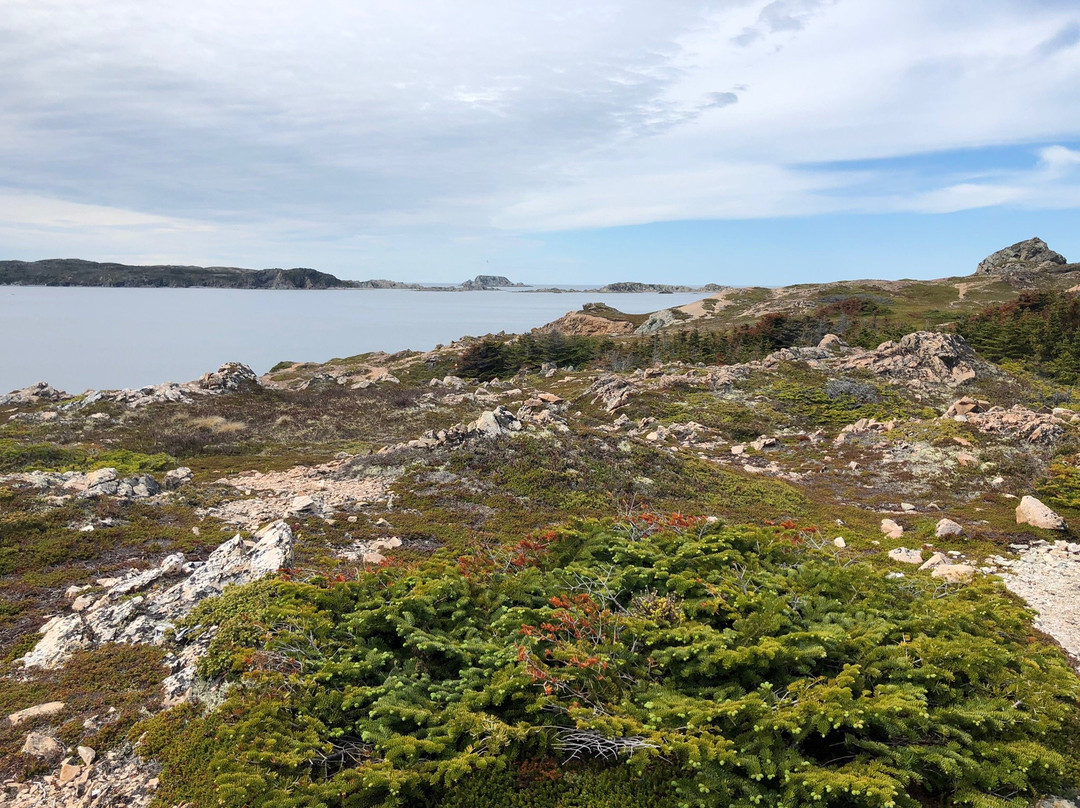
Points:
[(79, 338)]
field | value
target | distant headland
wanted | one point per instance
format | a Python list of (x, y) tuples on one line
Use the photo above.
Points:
[(79, 272)]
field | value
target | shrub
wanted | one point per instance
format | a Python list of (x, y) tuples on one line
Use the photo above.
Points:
[(683, 664)]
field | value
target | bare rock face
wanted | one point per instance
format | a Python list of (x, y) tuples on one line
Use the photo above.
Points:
[(583, 324), (141, 607), (1032, 512), (1021, 260)]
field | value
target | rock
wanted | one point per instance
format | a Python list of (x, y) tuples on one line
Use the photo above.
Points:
[(1017, 423), (906, 555), (1021, 260), (583, 324), (68, 772), (37, 711), (612, 391), (1032, 512), (965, 459), (230, 377), (41, 745), (145, 618), (301, 504), (936, 560), (830, 342), (921, 359), (493, 423), (906, 507), (764, 442), (738, 449), (954, 573), (86, 754), (965, 405), (891, 529), (947, 527), (101, 477), (34, 394), (176, 477), (839, 542)]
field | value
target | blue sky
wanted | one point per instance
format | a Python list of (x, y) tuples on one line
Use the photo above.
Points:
[(727, 141)]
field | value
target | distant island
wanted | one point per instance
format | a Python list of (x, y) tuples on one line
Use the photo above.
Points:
[(79, 272)]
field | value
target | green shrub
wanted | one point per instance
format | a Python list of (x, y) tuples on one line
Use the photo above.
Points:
[(684, 665)]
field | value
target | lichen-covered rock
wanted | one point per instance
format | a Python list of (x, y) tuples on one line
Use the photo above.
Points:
[(34, 394), (1032, 511), (1021, 259), (611, 391), (230, 377), (119, 617), (38, 744), (922, 358)]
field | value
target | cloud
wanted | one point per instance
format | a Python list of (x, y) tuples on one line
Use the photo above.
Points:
[(342, 134)]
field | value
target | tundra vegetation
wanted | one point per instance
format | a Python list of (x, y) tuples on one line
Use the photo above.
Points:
[(653, 574)]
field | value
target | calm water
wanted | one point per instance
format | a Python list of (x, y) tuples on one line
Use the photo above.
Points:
[(81, 338)]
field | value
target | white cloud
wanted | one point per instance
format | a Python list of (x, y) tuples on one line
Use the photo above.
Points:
[(398, 127)]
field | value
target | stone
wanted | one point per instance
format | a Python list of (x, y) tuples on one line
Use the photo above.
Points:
[(177, 477), (41, 745), (839, 542), (68, 772), (86, 754), (37, 711), (101, 477), (965, 459), (954, 573), (906, 507), (764, 442), (891, 529), (301, 504), (1032, 512), (936, 560), (947, 527), (373, 558), (738, 449), (230, 377), (1021, 260), (906, 555), (831, 341)]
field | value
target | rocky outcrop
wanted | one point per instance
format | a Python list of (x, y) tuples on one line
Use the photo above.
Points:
[(924, 358), (1021, 261), (491, 424), (99, 483), (578, 323), (611, 391), (41, 392), (1032, 511), (1017, 423), (229, 378), (145, 604)]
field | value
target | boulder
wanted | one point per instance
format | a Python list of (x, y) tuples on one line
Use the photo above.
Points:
[(947, 527), (831, 342), (891, 529), (37, 711), (86, 754), (936, 560), (230, 377), (954, 573), (1032, 512), (177, 477), (906, 555), (68, 772), (41, 745)]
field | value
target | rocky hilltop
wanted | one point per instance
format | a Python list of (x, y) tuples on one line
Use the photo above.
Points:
[(1024, 259), (830, 545)]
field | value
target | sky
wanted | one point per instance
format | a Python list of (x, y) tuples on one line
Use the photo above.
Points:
[(723, 141)]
